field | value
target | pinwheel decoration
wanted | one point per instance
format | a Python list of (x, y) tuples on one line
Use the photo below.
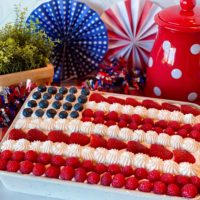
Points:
[(81, 33), (131, 30)]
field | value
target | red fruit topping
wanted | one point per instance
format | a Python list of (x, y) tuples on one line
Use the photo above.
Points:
[(116, 144), (122, 124), (118, 181), (99, 114), (133, 125), (78, 138), (154, 175), (196, 127), (80, 175), (136, 118), (52, 172), (6, 154), (173, 190), (186, 109), (141, 173), (136, 147), (26, 167), (174, 124), (169, 131), (183, 156), (31, 156), (44, 158), (147, 121), (195, 134), (195, 180), (86, 119), (67, 173), (34, 135), (160, 151), (57, 160), (110, 123), (73, 162), (97, 97), (58, 136), (38, 169), (170, 107), (97, 141), (87, 113), (93, 178), (162, 124), (183, 133), (100, 168), (87, 165), (111, 100), (16, 134), (125, 117), (146, 127), (3, 164), (98, 120), (187, 127), (18, 155), (151, 104), (145, 186), (167, 178), (157, 129), (182, 180), (159, 187), (12, 166), (131, 183), (114, 168), (189, 191), (132, 102), (112, 116), (106, 179), (127, 171)]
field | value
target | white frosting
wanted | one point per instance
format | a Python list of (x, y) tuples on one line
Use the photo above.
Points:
[(47, 147), (87, 127), (103, 106), (59, 148), (152, 113), (112, 156), (100, 155), (113, 131), (74, 125), (35, 146), (8, 145), (154, 163), (21, 145), (116, 107), (138, 135), (127, 109), (190, 145), (100, 129), (34, 124), (188, 118), (47, 124), (126, 159), (91, 105), (140, 110), (188, 169), (176, 116), (176, 141), (73, 150), (163, 139), (87, 153), (61, 124), (140, 160), (169, 166), (151, 137), (22, 123), (164, 115), (125, 134)]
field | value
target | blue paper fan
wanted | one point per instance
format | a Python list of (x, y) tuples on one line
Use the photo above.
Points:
[(82, 35)]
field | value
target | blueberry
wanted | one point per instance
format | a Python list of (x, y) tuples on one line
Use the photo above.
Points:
[(43, 103), (67, 106), (52, 90), (51, 113), (42, 88), (56, 104), (63, 114), (74, 114), (47, 96), (39, 113), (63, 90), (32, 103), (78, 107), (36, 95), (27, 112), (85, 91), (70, 98), (58, 96), (73, 90), (82, 99)]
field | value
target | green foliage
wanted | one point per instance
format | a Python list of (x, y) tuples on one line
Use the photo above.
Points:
[(22, 47)]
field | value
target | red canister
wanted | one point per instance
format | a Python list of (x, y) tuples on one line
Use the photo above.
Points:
[(174, 65)]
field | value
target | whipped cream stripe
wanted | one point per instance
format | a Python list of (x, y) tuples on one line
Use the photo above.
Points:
[(101, 155), (124, 134), (144, 112)]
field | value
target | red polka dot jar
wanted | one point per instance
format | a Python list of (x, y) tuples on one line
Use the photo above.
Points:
[(174, 65)]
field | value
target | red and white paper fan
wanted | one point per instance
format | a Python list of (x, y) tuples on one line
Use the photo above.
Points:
[(131, 30)]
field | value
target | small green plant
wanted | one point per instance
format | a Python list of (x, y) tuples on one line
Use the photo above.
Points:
[(22, 46)]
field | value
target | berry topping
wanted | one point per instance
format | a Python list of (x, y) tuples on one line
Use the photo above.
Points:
[(114, 168), (27, 112), (80, 175), (82, 99), (58, 96), (70, 98), (12, 166), (106, 179), (111, 100), (118, 181), (36, 95), (145, 186), (141, 173), (18, 156), (97, 141), (195, 180), (136, 147), (87, 165), (186, 109), (73, 162), (56, 104), (63, 90), (189, 191), (67, 106), (127, 171), (98, 120), (63, 114), (154, 175), (122, 124), (51, 113), (57, 160), (100, 168), (47, 96), (39, 113), (159, 187), (116, 144), (52, 90), (195, 134), (97, 97), (183, 156), (6, 154), (132, 102), (78, 107), (57, 136), (34, 135), (78, 138), (67, 173), (42, 88), (16, 134), (93, 178), (32, 103), (173, 190), (87, 113), (73, 90), (170, 107), (85, 91), (3, 164), (167, 178), (131, 183), (43, 104), (44, 158), (74, 114), (151, 104), (52, 172), (31, 156), (26, 167), (38, 169)]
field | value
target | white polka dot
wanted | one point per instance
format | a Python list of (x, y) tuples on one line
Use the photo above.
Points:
[(166, 45), (195, 49), (150, 62), (176, 73), (192, 96), (157, 91)]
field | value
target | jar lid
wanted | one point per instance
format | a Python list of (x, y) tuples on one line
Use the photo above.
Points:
[(184, 17)]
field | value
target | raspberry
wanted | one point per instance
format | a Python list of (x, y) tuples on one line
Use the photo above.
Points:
[(106, 179), (110, 123), (183, 133), (197, 127), (67, 173), (122, 124), (87, 165), (195, 180), (44, 158), (96, 97), (118, 181), (34, 135), (98, 120), (167, 178), (114, 169), (100, 168), (57, 160), (38, 169), (12, 166), (147, 121), (136, 118), (58, 136), (80, 175), (127, 171), (3, 164), (137, 147), (133, 126), (145, 186), (31, 156), (154, 175), (132, 102), (173, 190), (74, 162), (187, 127), (86, 119), (26, 167), (189, 191), (195, 134), (125, 117), (87, 113), (162, 124), (97, 141), (151, 104), (18, 156), (141, 173), (174, 124), (52, 172), (99, 114), (111, 100), (170, 107), (16, 134), (131, 183), (182, 180), (169, 131), (93, 178), (116, 144), (189, 109), (157, 129), (159, 187), (146, 127), (112, 116), (79, 138), (6, 155)]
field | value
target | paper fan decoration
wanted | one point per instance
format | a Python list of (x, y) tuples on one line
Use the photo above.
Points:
[(82, 35), (131, 30)]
